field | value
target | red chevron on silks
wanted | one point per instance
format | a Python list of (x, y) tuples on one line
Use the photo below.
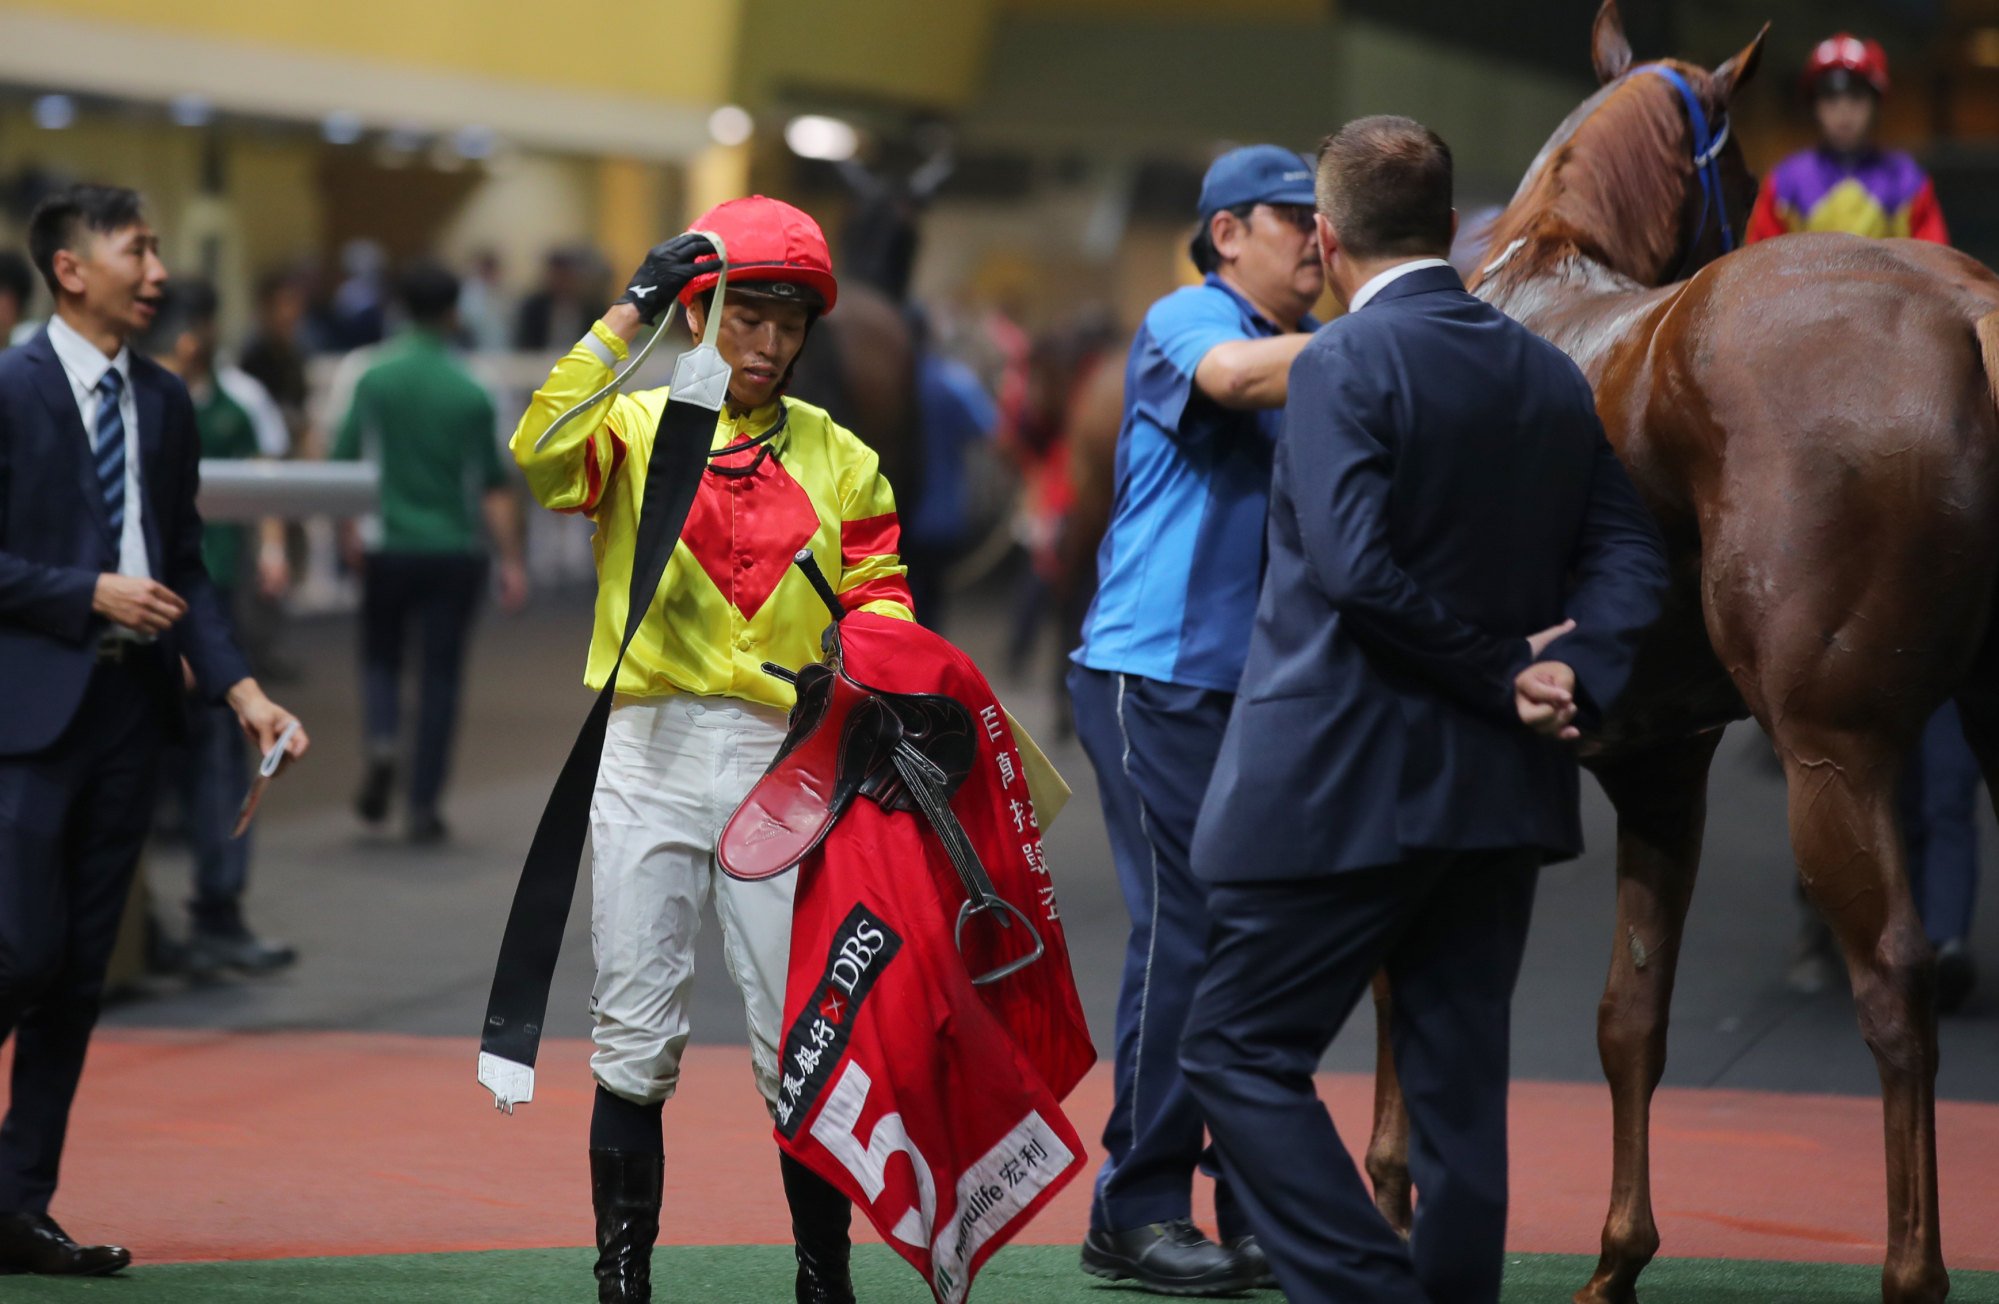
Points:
[(932, 1101)]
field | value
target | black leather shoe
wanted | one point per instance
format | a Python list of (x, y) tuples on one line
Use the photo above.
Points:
[(820, 1215), (1246, 1249), (31, 1242), (624, 1191), (209, 951), (427, 830), (1169, 1258), (372, 802)]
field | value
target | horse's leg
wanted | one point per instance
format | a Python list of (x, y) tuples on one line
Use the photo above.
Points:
[(1661, 801), (1388, 1148), (1846, 834)]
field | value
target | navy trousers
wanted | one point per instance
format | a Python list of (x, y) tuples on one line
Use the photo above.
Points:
[(1287, 964), (213, 775), (1153, 746), (72, 821), (439, 593), (213, 772), (1940, 822)]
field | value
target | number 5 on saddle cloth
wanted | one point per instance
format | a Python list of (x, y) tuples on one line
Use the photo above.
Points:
[(903, 751), (932, 1023)]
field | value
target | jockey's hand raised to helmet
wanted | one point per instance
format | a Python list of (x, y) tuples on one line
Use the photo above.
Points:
[(667, 269)]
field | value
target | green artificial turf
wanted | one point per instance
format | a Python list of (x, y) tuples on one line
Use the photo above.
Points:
[(761, 1274)]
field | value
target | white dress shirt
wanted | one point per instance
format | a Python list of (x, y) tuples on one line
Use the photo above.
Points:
[(85, 364), (1382, 280)]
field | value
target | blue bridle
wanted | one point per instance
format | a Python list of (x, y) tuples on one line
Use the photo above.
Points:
[(1707, 157)]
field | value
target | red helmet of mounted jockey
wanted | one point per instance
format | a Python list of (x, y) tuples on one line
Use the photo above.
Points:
[(775, 251), (1842, 62)]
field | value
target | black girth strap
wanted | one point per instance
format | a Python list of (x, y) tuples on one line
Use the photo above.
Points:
[(512, 1034)]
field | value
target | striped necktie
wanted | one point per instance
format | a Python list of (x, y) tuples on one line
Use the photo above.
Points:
[(111, 449)]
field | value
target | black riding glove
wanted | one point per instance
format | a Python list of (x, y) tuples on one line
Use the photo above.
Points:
[(667, 269)]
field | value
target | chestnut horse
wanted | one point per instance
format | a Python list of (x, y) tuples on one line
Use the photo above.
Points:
[(1814, 422), (863, 372)]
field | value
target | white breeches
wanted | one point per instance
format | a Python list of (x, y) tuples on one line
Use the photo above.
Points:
[(674, 770)]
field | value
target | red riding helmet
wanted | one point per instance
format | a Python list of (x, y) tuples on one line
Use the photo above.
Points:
[(772, 246), (1855, 59)]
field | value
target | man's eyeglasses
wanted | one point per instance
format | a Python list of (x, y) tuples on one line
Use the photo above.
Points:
[(1297, 216)]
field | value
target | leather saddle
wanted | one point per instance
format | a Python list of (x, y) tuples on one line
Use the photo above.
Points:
[(905, 751), (841, 743)]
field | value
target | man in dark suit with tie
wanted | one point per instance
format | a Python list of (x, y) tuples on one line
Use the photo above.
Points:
[(104, 606), (1459, 573)]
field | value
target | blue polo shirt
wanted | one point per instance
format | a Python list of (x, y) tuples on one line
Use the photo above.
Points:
[(1179, 567)]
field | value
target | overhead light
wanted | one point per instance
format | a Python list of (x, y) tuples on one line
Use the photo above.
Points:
[(54, 112), (1985, 47), (341, 127), (190, 110), (474, 142), (730, 125), (814, 136)]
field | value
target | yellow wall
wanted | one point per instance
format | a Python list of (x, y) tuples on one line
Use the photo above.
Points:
[(678, 51), (1152, 10), (717, 175), (927, 54), (632, 213)]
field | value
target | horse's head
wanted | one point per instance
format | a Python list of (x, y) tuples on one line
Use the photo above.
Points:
[(1646, 176)]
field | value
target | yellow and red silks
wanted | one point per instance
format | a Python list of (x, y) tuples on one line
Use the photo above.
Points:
[(730, 599)]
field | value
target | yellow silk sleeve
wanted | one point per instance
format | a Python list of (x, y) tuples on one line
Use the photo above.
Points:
[(872, 576), (571, 472)]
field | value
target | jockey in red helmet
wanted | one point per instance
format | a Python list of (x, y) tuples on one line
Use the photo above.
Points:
[(696, 720), (1847, 183)]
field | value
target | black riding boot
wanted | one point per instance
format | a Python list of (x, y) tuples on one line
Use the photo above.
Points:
[(819, 1217), (625, 1190)]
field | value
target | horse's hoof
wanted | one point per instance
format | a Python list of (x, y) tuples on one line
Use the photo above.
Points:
[(1926, 1283), (1606, 1288), (1396, 1208), (1591, 1294)]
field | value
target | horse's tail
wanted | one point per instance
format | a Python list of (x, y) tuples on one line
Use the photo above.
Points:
[(1987, 331)]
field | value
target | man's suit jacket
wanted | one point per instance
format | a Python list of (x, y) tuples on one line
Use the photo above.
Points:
[(55, 540), (1443, 489)]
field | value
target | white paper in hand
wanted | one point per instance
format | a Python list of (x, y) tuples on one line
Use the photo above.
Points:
[(267, 769)]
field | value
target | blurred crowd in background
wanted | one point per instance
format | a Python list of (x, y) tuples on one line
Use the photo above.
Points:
[(991, 405), (313, 330)]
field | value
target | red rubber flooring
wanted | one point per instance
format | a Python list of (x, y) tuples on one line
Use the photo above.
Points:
[(201, 1145)]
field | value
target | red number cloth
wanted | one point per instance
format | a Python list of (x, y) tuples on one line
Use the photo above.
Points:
[(934, 1104)]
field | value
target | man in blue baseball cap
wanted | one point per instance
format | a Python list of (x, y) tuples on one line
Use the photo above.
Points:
[(1155, 677)]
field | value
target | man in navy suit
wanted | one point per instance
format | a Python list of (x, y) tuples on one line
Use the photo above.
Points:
[(1459, 573), (104, 607)]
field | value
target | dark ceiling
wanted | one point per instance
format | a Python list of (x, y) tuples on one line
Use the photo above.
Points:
[(1553, 35)]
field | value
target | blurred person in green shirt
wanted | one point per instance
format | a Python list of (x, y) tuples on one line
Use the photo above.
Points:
[(429, 428), (215, 772)]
